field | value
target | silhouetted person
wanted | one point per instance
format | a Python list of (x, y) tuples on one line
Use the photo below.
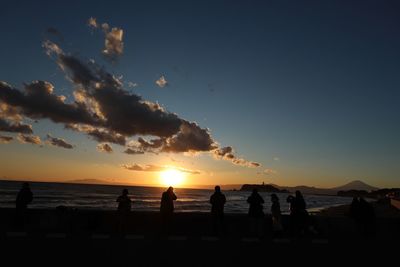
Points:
[(167, 207), (276, 215), (24, 197), (124, 207), (367, 218), (298, 214), (256, 212), (217, 201), (124, 202)]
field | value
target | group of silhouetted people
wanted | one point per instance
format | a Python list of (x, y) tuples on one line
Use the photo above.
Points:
[(360, 210)]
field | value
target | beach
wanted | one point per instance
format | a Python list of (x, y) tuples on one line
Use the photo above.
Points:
[(95, 236)]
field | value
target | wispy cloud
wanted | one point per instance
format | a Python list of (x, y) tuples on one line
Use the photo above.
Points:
[(227, 153), (104, 147), (5, 139), (162, 82), (29, 139), (156, 168), (59, 142)]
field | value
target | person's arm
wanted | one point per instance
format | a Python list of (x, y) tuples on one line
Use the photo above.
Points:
[(174, 196), (224, 199)]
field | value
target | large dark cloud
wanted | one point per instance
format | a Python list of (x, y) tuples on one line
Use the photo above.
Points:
[(38, 102), (190, 138), (15, 127), (107, 113), (54, 141)]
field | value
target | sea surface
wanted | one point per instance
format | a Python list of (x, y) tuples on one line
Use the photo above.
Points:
[(103, 197)]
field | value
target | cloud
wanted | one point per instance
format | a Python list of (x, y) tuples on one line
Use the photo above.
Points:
[(132, 84), (162, 82), (155, 168), (132, 151), (5, 139), (92, 22), (276, 159), (15, 127), (227, 153), (269, 171), (104, 147), (29, 139), (38, 102), (107, 113), (58, 142), (190, 138), (99, 134), (113, 44)]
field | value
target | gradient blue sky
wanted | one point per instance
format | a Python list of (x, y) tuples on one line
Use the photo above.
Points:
[(309, 89)]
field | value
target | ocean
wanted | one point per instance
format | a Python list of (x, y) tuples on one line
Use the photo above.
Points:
[(103, 197)]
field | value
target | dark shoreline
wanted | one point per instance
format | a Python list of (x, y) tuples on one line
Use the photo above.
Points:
[(90, 237)]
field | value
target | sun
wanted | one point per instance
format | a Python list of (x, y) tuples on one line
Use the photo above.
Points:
[(172, 177)]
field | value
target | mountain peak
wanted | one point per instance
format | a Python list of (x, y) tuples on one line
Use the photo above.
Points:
[(356, 185)]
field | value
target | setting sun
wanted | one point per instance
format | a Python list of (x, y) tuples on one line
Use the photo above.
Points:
[(172, 177)]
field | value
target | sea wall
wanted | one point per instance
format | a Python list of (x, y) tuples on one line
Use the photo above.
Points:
[(86, 222)]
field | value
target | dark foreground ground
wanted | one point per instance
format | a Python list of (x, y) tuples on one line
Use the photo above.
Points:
[(93, 238)]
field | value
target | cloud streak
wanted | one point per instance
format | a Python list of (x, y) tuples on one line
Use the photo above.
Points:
[(29, 139), (59, 142), (155, 168), (5, 139)]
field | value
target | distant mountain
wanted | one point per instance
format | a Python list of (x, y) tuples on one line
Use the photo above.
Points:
[(87, 181), (356, 185), (309, 190)]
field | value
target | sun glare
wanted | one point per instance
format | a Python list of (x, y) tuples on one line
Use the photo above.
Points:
[(172, 177)]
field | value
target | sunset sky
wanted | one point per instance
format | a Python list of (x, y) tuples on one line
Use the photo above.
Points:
[(225, 92)]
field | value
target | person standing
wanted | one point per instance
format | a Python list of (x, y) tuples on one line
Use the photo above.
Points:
[(276, 215), (24, 198), (256, 212), (217, 201), (167, 208), (124, 207)]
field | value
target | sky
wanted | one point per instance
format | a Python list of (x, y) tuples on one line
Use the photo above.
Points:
[(226, 92)]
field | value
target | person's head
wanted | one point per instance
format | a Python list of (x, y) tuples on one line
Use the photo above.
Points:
[(218, 189), (274, 198), (125, 192), (298, 194), (170, 189), (255, 191), (25, 185)]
